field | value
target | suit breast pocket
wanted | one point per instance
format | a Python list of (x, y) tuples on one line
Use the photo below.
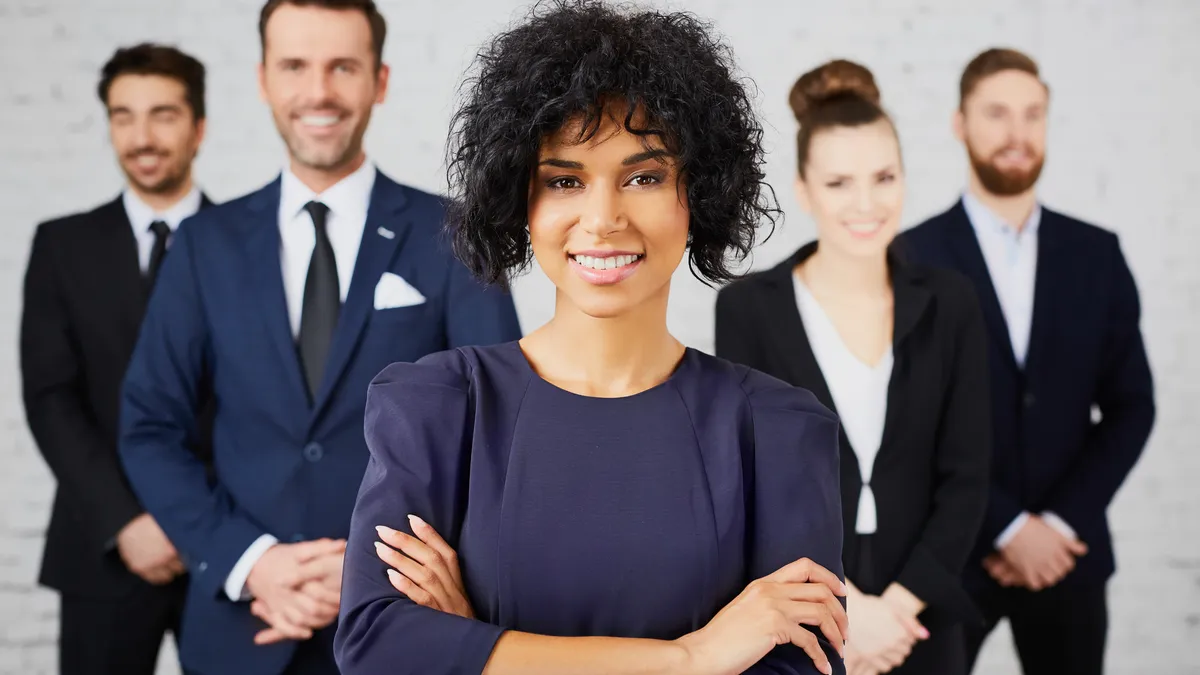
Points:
[(393, 316)]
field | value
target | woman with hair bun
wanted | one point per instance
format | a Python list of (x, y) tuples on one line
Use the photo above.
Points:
[(899, 353), (596, 497)]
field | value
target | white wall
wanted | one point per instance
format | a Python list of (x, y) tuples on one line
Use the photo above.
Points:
[(1121, 153)]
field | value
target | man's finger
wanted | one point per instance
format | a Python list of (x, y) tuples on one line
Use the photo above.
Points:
[(321, 593), (305, 551), (1076, 547)]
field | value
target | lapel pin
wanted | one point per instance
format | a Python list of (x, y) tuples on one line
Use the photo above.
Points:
[(384, 232)]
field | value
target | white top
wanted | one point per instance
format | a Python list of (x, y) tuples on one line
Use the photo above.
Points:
[(859, 394), (142, 214), (348, 200), (1011, 258)]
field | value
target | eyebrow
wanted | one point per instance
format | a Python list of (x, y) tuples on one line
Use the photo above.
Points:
[(845, 176), (165, 107), (628, 161)]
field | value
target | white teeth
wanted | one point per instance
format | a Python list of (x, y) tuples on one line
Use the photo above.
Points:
[(319, 120), (608, 263), (865, 227), (147, 160)]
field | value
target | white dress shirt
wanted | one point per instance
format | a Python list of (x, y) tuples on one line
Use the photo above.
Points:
[(1011, 258), (859, 394), (141, 215), (348, 201)]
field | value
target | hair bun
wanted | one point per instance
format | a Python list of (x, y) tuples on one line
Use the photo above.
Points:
[(835, 79)]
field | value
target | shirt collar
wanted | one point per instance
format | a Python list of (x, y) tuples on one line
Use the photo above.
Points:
[(349, 197), (984, 219), (142, 214)]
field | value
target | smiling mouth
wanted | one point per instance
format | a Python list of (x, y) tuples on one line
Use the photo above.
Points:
[(611, 262)]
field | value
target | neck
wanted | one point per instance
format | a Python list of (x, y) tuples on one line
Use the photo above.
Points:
[(847, 274), (607, 357), (163, 201), (1012, 209), (320, 180)]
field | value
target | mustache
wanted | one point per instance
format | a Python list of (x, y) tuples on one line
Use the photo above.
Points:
[(148, 150), (322, 108), (1026, 148)]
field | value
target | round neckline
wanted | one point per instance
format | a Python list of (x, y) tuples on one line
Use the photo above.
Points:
[(688, 357)]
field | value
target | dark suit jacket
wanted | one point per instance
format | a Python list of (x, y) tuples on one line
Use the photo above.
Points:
[(1085, 350), (930, 475), (84, 296), (283, 466)]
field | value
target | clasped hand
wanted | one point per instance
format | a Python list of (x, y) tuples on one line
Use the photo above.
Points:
[(770, 611), (1037, 558), (296, 589), (884, 635)]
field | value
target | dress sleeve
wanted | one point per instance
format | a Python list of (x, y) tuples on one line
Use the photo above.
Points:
[(418, 431), (794, 503)]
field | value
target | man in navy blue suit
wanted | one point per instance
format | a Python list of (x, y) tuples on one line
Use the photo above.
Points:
[(1073, 399), (285, 304)]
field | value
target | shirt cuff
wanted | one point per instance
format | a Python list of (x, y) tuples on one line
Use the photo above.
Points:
[(1011, 531), (235, 583), (1059, 524)]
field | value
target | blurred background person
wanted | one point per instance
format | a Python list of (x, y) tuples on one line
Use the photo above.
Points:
[(89, 275), (290, 299), (899, 352), (1072, 394)]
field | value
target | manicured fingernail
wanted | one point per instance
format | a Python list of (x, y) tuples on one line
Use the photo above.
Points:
[(380, 548), (845, 589), (384, 531), (395, 576), (416, 522), (827, 669), (924, 633)]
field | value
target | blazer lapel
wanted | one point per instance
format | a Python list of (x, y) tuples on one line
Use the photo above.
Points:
[(1049, 279), (119, 246), (966, 248), (910, 300), (382, 236), (266, 284)]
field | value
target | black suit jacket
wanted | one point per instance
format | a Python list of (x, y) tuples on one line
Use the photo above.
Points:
[(930, 475), (84, 296), (1085, 350)]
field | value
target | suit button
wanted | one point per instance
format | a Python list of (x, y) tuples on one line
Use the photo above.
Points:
[(297, 538), (313, 452), (202, 567), (1029, 399)]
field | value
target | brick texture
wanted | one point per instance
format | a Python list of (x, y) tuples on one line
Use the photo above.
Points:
[(1121, 154)]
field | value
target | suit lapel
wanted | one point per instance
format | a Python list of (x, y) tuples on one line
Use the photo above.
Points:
[(1049, 279), (382, 236), (966, 248), (117, 246), (266, 284), (910, 301), (791, 338)]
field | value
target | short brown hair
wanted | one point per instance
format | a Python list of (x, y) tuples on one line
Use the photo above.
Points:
[(367, 7), (153, 59), (990, 62)]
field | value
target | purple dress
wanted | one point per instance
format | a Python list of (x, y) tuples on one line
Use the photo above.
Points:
[(572, 515)]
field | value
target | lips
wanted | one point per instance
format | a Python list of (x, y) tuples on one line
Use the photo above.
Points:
[(605, 268)]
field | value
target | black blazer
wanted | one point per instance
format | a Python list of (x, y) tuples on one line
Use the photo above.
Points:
[(1085, 349), (930, 476), (84, 297)]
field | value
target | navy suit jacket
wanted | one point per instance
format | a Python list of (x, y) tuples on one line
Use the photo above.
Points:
[(282, 466), (1085, 352)]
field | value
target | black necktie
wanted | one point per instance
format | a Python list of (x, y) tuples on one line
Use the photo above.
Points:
[(159, 251), (322, 302)]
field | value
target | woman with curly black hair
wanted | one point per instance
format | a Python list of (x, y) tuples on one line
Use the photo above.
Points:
[(596, 497)]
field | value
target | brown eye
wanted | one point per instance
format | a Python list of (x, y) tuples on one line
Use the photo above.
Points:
[(563, 183)]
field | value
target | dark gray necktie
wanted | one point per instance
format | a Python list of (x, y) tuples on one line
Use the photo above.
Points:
[(322, 302), (161, 234)]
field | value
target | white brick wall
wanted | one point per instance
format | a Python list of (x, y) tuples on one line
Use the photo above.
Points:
[(1123, 137)]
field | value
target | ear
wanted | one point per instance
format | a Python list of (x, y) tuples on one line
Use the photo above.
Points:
[(381, 83), (958, 124), (262, 82), (802, 195), (201, 126)]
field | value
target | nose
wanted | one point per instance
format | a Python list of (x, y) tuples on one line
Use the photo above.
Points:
[(864, 197), (603, 216), (317, 85), (142, 133)]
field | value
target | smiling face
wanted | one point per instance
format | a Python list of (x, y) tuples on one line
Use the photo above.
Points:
[(320, 78), (1003, 126), (853, 186), (608, 218), (153, 131)]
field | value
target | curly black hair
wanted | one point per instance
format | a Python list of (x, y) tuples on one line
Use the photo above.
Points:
[(567, 61)]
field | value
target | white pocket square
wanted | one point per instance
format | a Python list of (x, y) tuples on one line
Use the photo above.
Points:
[(393, 291)]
